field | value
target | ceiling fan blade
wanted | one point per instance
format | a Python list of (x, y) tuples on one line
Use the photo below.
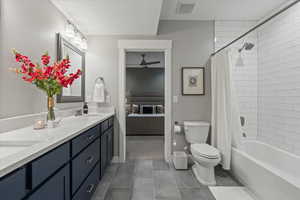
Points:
[(144, 63), (152, 63)]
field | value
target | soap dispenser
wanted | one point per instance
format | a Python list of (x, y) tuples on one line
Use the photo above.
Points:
[(85, 108)]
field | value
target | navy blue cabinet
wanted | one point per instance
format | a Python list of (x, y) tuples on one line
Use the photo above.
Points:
[(106, 144), (104, 125), (46, 165), (57, 187), (83, 164), (84, 139), (89, 186), (13, 186), (69, 172), (109, 145), (103, 157)]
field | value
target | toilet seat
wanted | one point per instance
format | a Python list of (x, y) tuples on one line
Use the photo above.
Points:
[(205, 150)]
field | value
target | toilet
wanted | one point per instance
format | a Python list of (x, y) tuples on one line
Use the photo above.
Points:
[(205, 156)]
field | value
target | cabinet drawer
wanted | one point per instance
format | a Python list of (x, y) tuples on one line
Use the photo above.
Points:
[(111, 122), (84, 139), (13, 186), (84, 162), (44, 166), (104, 126), (89, 186), (56, 188)]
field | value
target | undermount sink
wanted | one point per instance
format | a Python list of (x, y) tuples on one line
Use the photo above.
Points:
[(11, 147), (94, 115), (91, 115)]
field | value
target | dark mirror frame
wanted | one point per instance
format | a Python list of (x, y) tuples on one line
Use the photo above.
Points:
[(61, 41)]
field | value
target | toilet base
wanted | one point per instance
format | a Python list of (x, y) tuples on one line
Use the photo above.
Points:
[(205, 175)]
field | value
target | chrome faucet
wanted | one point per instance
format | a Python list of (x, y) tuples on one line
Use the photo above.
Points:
[(78, 112)]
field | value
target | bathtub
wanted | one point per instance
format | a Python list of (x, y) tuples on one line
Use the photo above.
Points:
[(268, 172)]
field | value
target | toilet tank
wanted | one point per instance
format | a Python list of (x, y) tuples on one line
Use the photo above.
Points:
[(196, 131)]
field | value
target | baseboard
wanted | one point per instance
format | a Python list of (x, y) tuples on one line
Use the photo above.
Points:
[(115, 159)]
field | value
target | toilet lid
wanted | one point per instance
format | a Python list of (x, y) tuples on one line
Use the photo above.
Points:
[(205, 150)]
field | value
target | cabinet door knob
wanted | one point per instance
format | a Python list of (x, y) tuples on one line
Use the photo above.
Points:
[(90, 160), (90, 188), (90, 137)]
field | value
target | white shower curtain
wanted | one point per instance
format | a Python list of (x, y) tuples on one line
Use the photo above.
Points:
[(226, 127)]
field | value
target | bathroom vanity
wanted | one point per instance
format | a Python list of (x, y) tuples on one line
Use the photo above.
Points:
[(59, 164)]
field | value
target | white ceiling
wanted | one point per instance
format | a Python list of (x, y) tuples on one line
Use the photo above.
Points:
[(141, 17), (113, 17), (221, 9)]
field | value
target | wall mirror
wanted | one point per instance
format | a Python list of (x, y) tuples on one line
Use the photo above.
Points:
[(75, 92)]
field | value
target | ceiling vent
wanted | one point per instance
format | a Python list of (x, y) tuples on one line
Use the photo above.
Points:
[(185, 7)]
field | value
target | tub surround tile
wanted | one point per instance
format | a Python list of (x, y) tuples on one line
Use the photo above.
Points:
[(244, 78)]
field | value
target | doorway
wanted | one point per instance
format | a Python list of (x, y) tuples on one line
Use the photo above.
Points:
[(145, 105), (162, 46)]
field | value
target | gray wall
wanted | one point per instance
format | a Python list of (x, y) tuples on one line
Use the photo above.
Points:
[(193, 42), (144, 82), (30, 27)]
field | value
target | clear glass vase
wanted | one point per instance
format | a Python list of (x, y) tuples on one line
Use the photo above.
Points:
[(50, 105)]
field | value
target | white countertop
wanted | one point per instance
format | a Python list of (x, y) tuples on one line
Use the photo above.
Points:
[(37, 142), (146, 115)]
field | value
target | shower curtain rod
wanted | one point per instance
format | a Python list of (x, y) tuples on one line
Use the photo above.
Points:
[(257, 26)]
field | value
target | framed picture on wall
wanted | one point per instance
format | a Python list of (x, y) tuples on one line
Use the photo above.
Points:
[(192, 82)]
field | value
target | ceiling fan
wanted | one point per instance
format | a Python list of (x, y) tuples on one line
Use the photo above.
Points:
[(145, 64)]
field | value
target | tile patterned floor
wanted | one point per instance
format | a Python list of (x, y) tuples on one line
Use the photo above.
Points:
[(149, 147), (142, 179)]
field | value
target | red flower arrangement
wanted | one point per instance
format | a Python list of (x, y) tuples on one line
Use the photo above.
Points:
[(49, 78)]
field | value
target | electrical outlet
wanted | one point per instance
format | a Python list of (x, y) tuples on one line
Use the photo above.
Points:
[(175, 99)]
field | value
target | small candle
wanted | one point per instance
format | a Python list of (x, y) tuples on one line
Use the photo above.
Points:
[(39, 124)]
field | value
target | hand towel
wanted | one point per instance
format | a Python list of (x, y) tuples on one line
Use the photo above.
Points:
[(99, 92)]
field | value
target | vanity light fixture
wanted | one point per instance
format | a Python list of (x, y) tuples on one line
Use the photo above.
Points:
[(70, 32), (74, 36), (77, 39)]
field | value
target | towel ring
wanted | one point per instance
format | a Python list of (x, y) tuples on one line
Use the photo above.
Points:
[(99, 79)]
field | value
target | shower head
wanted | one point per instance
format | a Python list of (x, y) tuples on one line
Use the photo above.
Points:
[(247, 46)]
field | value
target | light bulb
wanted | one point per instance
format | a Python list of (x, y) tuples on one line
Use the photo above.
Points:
[(77, 39), (70, 31), (84, 44)]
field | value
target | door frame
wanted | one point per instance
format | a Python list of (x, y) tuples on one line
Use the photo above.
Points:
[(145, 45)]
